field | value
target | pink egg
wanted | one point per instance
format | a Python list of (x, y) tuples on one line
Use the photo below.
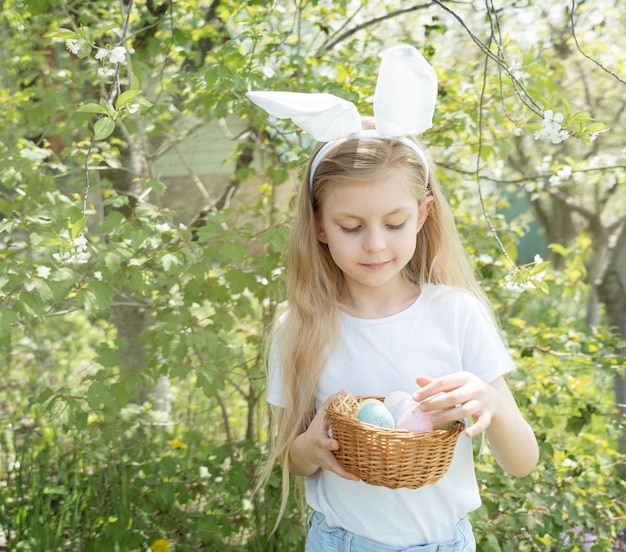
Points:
[(414, 419)]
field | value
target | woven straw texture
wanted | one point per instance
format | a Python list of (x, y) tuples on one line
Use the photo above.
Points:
[(387, 457)]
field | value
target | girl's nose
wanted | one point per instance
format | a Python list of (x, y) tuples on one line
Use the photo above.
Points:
[(374, 242)]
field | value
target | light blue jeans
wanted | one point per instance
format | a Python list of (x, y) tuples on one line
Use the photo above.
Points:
[(322, 538)]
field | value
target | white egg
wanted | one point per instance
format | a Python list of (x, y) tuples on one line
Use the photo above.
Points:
[(394, 398), (397, 402), (375, 413)]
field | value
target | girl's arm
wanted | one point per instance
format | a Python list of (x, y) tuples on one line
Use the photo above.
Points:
[(494, 411), (511, 439)]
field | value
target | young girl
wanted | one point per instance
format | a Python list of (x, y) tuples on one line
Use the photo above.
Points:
[(382, 297)]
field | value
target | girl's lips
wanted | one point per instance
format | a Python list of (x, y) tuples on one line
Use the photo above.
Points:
[(376, 266)]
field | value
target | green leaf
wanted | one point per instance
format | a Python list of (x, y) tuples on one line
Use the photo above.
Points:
[(77, 226), (8, 319), (114, 259), (103, 294), (96, 297), (100, 31), (169, 262), (126, 97), (32, 304), (92, 108), (103, 128), (112, 222), (108, 357), (42, 398), (43, 290), (596, 127), (63, 33), (134, 82), (100, 397), (84, 51)]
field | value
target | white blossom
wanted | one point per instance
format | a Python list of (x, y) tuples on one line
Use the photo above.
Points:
[(80, 242), (74, 45), (118, 55), (105, 73), (520, 282), (43, 271), (102, 53), (268, 71), (552, 129), (565, 173), (546, 162), (512, 285), (516, 71), (594, 135), (76, 254), (162, 227)]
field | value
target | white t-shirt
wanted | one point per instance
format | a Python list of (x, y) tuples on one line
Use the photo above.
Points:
[(445, 330)]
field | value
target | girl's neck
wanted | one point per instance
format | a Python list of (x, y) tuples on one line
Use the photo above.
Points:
[(368, 305)]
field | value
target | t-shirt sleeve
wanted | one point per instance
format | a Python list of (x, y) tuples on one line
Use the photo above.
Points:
[(484, 351), (274, 394), (275, 388)]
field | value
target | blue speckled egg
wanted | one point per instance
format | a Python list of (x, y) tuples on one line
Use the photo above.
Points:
[(375, 413)]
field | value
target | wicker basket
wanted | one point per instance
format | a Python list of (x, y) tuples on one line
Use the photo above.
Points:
[(387, 457)]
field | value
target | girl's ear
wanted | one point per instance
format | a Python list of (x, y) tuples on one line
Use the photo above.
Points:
[(319, 229), (424, 210)]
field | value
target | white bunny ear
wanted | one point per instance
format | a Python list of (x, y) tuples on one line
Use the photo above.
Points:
[(324, 116), (406, 92)]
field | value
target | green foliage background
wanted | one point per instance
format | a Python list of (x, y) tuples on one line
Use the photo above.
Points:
[(90, 457)]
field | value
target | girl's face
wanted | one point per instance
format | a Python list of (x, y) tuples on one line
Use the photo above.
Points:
[(371, 230)]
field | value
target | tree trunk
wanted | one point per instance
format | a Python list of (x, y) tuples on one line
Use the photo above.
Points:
[(612, 291), (129, 315), (596, 267), (130, 320)]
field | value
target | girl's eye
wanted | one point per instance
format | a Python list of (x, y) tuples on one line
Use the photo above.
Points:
[(353, 230), (396, 226)]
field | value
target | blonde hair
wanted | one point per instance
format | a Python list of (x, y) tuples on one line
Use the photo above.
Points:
[(316, 288)]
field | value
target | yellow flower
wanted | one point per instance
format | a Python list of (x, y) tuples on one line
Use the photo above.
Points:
[(160, 545), (177, 444)]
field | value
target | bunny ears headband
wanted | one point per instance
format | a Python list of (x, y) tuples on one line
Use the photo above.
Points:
[(404, 104)]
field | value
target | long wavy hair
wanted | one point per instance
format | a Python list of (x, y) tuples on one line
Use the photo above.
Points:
[(316, 289)]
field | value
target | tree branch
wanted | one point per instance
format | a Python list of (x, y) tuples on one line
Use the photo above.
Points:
[(115, 89), (593, 60), (390, 15), (519, 88)]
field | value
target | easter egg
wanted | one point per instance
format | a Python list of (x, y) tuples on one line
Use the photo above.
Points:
[(363, 402), (414, 419), (397, 402), (375, 412), (394, 398)]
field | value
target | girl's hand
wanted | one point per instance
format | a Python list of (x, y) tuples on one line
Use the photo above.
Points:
[(494, 410), (313, 449), (464, 394)]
